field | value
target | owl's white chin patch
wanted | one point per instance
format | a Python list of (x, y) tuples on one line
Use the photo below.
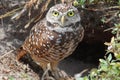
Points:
[(64, 29), (61, 29)]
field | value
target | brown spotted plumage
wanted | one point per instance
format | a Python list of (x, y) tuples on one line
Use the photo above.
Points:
[(55, 37)]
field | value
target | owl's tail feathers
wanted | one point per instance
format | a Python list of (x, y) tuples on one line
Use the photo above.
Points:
[(20, 53)]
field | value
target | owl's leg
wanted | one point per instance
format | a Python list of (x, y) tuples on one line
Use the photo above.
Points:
[(46, 76), (56, 71), (59, 74)]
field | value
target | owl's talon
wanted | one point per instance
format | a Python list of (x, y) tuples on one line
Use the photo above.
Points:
[(60, 75), (45, 74)]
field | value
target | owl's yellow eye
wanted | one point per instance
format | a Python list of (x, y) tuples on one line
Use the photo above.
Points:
[(55, 13), (71, 13)]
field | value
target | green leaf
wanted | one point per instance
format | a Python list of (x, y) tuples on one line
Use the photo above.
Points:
[(102, 61), (118, 44), (117, 56), (82, 2), (109, 58), (91, 1)]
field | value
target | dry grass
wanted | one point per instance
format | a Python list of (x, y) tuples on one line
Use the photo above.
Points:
[(11, 69)]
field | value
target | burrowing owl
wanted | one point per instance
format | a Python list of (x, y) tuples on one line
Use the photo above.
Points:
[(55, 37)]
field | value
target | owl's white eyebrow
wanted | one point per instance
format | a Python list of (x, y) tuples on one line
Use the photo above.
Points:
[(55, 10), (70, 10)]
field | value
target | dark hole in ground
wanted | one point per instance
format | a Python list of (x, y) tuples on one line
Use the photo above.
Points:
[(89, 53), (86, 56)]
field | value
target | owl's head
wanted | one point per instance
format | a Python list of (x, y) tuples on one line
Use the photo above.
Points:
[(63, 15)]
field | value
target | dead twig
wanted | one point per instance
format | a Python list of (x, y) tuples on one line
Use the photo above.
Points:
[(27, 6), (6, 54), (44, 8), (9, 13), (112, 17), (80, 74)]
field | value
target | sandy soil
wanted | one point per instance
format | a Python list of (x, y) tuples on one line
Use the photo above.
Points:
[(11, 69)]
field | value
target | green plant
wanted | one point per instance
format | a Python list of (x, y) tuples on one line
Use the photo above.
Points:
[(114, 45), (108, 70)]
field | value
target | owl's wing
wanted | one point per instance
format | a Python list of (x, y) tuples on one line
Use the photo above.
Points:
[(38, 42), (29, 43)]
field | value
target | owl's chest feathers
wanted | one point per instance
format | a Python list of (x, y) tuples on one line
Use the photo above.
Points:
[(63, 41)]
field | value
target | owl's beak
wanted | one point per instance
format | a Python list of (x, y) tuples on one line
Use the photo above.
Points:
[(62, 20)]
